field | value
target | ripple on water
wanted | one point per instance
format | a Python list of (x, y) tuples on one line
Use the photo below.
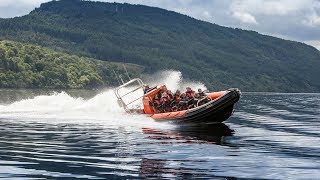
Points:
[(276, 136)]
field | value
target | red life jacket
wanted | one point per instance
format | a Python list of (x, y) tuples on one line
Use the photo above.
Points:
[(157, 101), (177, 97), (190, 94), (165, 99)]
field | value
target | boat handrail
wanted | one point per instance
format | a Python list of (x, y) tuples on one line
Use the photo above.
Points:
[(134, 100), (120, 100), (130, 82), (131, 91)]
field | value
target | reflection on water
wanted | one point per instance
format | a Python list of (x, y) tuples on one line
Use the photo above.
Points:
[(193, 134), (160, 168), (270, 136)]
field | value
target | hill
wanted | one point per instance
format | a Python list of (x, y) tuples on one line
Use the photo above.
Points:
[(29, 66), (158, 39)]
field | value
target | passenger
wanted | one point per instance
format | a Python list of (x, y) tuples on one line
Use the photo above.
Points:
[(200, 94), (171, 99), (146, 89), (170, 94), (201, 98), (183, 103), (165, 101), (176, 100), (157, 103), (164, 96), (162, 90), (190, 93), (177, 96)]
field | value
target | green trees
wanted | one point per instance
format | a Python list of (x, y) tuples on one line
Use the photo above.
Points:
[(30, 66), (158, 39)]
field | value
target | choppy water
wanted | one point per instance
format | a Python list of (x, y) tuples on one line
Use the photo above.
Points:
[(270, 136)]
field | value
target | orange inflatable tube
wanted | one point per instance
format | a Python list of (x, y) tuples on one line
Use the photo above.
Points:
[(169, 115), (216, 95)]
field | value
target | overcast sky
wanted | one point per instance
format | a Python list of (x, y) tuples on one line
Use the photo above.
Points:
[(289, 19)]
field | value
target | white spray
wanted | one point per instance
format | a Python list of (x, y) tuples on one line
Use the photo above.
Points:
[(102, 109)]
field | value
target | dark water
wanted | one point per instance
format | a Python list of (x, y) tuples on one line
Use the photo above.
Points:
[(270, 136)]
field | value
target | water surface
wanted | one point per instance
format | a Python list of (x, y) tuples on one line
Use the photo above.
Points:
[(55, 135)]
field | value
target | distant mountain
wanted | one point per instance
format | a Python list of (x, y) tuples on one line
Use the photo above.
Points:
[(29, 66), (158, 39)]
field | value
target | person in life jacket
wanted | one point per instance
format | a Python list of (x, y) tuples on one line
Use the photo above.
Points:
[(183, 102), (200, 98), (171, 98), (165, 101), (190, 93), (157, 103), (176, 96), (176, 100), (170, 94), (200, 94), (146, 89), (162, 90)]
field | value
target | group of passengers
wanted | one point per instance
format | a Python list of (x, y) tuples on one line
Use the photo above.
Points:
[(166, 101)]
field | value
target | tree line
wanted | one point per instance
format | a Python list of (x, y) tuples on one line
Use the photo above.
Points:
[(30, 66)]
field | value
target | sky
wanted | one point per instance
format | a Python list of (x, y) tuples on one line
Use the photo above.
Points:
[(297, 20)]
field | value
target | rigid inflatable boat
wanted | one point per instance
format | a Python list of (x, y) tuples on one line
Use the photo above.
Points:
[(217, 108)]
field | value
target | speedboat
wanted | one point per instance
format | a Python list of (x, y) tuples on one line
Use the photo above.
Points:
[(215, 108)]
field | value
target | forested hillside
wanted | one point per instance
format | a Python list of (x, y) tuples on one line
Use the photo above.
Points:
[(30, 66), (159, 39)]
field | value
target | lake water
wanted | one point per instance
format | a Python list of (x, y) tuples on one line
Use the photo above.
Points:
[(55, 135)]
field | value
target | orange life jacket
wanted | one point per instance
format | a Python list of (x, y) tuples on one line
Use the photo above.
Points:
[(177, 97), (157, 101), (165, 99), (190, 94)]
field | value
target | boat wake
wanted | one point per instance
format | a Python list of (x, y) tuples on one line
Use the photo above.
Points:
[(102, 108)]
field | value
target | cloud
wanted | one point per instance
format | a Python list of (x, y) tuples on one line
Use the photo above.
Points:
[(290, 19), (268, 7), (312, 20), (245, 17), (206, 14), (21, 3), (13, 8)]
